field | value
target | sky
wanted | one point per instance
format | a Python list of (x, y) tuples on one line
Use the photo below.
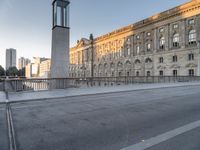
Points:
[(26, 24)]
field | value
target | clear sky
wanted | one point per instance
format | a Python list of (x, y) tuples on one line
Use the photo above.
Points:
[(26, 24)]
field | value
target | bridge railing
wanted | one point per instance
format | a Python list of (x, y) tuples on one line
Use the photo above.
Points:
[(17, 85)]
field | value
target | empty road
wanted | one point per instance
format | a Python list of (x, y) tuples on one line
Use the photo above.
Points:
[(157, 119)]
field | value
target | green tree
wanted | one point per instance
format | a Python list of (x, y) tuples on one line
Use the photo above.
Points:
[(2, 71), (12, 71)]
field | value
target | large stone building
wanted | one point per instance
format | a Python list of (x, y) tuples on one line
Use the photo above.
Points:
[(164, 44)]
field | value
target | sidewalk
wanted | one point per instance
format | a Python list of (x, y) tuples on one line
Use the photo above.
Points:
[(2, 97), (24, 96)]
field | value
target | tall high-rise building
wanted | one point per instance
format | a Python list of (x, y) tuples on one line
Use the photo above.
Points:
[(22, 62), (11, 56)]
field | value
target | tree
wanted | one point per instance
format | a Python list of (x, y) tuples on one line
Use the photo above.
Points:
[(12, 71), (2, 71), (22, 72)]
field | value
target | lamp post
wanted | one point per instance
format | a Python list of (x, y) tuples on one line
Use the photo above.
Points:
[(198, 65)]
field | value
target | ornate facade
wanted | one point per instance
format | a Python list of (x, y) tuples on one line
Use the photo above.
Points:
[(162, 45)]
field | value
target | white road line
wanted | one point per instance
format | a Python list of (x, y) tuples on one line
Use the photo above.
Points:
[(163, 137)]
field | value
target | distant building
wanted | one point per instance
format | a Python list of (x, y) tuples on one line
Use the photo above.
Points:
[(45, 68), (22, 62), (40, 68), (11, 56)]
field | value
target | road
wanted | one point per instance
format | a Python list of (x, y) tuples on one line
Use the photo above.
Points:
[(166, 117)]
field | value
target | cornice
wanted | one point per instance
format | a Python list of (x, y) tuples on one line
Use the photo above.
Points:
[(174, 12), (177, 11)]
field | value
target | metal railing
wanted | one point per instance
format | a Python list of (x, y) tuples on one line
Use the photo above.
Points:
[(16, 85)]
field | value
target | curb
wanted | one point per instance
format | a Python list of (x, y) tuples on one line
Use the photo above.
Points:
[(92, 94)]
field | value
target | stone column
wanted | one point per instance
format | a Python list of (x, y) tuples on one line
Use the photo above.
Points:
[(60, 53), (182, 34)]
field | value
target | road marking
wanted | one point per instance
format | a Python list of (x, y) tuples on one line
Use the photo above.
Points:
[(163, 137)]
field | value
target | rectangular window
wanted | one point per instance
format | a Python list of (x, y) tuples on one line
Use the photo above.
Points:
[(190, 57), (137, 49), (161, 30), (175, 59), (128, 51), (148, 47), (191, 72), (191, 21), (161, 60), (175, 73), (175, 26), (161, 73)]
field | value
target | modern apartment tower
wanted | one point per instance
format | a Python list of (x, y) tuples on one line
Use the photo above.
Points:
[(11, 56), (22, 62), (60, 39)]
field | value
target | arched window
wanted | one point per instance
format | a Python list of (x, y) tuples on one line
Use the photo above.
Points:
[(176, 40), (162, 42), (137, 73), (192, 36), (137, 61), (148, 60), (148, 73)]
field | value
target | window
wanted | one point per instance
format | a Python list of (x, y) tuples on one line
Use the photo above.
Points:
[(148, 60), (190, 57), (128, 51), (192, 36), (161, 59), (148, 47), (137, 73), (175, 26), (137, 49), (137, 61), (191, 21), (191, 72), (176, 40), (138, 37), (175, 73), (120, 74), (161, 73), (175, 58), (162, 42), (112, 74), (128, 74), (161, 30), (148, 73), (148, 34)]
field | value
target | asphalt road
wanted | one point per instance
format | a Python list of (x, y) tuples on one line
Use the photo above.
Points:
[(108, 121)]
